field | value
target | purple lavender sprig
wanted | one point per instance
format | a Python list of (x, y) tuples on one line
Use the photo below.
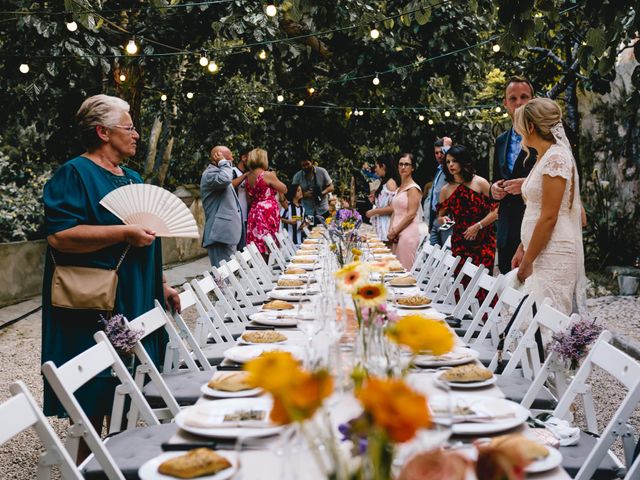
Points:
[(573, 344), (122, 338)]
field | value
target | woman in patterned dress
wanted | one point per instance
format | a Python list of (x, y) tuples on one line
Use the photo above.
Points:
[(380, 214), (262, 191), (465, 200)]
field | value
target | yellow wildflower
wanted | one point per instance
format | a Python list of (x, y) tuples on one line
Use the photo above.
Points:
[(371, 294), (422, 334)]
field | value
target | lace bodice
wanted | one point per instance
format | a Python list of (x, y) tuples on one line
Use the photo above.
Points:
[(555, 163)]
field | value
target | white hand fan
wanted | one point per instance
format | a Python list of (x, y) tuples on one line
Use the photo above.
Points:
[(152, 207)]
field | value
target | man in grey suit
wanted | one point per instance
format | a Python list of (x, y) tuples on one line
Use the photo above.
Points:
[(223, 228)]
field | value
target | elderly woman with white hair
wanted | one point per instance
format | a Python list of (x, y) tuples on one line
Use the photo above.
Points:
[(80, 232)]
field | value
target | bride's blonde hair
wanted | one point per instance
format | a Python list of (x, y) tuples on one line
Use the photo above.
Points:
[(542, 113)]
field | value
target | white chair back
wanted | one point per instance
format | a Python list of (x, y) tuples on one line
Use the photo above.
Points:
[(226, 304), (626, 371), (66, 379), (21, 412)]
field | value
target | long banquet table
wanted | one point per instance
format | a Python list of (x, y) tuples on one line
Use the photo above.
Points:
[(267, 457)]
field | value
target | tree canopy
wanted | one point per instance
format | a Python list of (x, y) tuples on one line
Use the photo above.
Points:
[(436, 68)]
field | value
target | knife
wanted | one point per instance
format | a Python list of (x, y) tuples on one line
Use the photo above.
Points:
[(258, 327), (183, 447), (228, 367)]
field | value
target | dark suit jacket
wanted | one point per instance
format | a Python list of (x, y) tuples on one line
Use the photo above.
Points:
[(512, 206)]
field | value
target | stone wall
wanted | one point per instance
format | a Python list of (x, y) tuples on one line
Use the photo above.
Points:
[(22, 263)]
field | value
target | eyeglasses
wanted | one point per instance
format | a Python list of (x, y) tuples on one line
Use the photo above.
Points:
[(128, 128), (403, 165)]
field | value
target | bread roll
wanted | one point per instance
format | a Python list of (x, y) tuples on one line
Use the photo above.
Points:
[(277, 305), (467, 373), (194, 463), (230, 381)]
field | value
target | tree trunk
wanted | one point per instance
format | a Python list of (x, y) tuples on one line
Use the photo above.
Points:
[(164, 165), (153, 146)]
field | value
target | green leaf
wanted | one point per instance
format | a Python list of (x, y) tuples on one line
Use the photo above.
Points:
[(596, 38), (423, 16), (405, 20)]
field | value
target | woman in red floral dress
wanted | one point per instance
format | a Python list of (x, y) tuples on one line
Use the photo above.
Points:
[(465, 200), (262, 192)]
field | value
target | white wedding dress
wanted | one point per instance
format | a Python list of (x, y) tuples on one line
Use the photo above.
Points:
[(558, 271)]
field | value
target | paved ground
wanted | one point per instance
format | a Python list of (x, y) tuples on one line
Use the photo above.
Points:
[(20, 360)]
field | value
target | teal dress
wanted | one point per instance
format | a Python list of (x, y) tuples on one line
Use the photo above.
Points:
[(71, 197)]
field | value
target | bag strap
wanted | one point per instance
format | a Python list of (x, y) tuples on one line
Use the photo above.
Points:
[(126, 250)]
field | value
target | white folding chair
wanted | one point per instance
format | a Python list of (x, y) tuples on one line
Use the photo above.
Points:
[(174, 387), (523, 378), (459, 295), (592, 457), (276, 259), (422, 253), (251, 276), (226, 305), (115, 457), (247, 298), (634, 471), (258, 260), (21, 412), (429, 265), (213, 338), (442, 275), (286, 244)]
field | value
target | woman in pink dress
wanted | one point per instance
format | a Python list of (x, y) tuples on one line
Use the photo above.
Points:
[(405, 219), (262, 192)]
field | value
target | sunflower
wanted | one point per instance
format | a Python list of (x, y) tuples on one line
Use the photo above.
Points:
[(371, 294)]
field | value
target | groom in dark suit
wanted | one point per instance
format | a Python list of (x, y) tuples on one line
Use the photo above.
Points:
[(509, 172)]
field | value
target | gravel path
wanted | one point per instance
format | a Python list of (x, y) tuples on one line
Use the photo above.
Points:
[(20, 360)]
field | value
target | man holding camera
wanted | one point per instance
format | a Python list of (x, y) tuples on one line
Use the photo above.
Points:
[(316, 185)]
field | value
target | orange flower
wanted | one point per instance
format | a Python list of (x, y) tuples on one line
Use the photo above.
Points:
[(394, 407), (422, 334), (352, 276), (273, 371), (371, 294), (297, 393)]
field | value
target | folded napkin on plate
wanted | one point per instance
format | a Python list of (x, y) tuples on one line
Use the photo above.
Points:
[(563, 431), (227, 418), (459, 355), (472, 412)]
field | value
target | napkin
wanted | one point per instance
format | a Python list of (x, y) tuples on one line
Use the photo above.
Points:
[(227, 417), (563, 431)]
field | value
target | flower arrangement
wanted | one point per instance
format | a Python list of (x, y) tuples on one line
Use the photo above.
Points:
[(393, 413), (422, 334), (122, 338), (343, 231), (298, 395), (573, 344)]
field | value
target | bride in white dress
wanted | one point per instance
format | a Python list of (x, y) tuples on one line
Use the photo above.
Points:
[(550, 258)]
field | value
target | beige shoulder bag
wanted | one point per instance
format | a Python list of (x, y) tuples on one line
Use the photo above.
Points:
[(84, 288)]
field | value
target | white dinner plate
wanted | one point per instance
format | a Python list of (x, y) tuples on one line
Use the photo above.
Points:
[(467, 385), (274, 319), (304, 258), (391, 285), (550, 461), (293, 294), (212, 392), (295, 276), (517, 414), (244, 353), (414, 307), (459, 356), (383, 256), (149, 470), (304, 266), (259, 403)]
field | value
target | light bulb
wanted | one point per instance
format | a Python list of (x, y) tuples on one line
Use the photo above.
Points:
[(189, 95), (271, 10), (213, 67), (280, 98), (72, 26), (123, 77), (458, 114), (375, 33), (384, 110), (311, 90), (421, 118), (498, 109), (496, 48), (204, 61), (430, 122), (24, 68), (376, 80), (262, 55), (131, 47), (163, 97), (505, 115), (360, 113), (447, 113), (260, 109), (301, 103)]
